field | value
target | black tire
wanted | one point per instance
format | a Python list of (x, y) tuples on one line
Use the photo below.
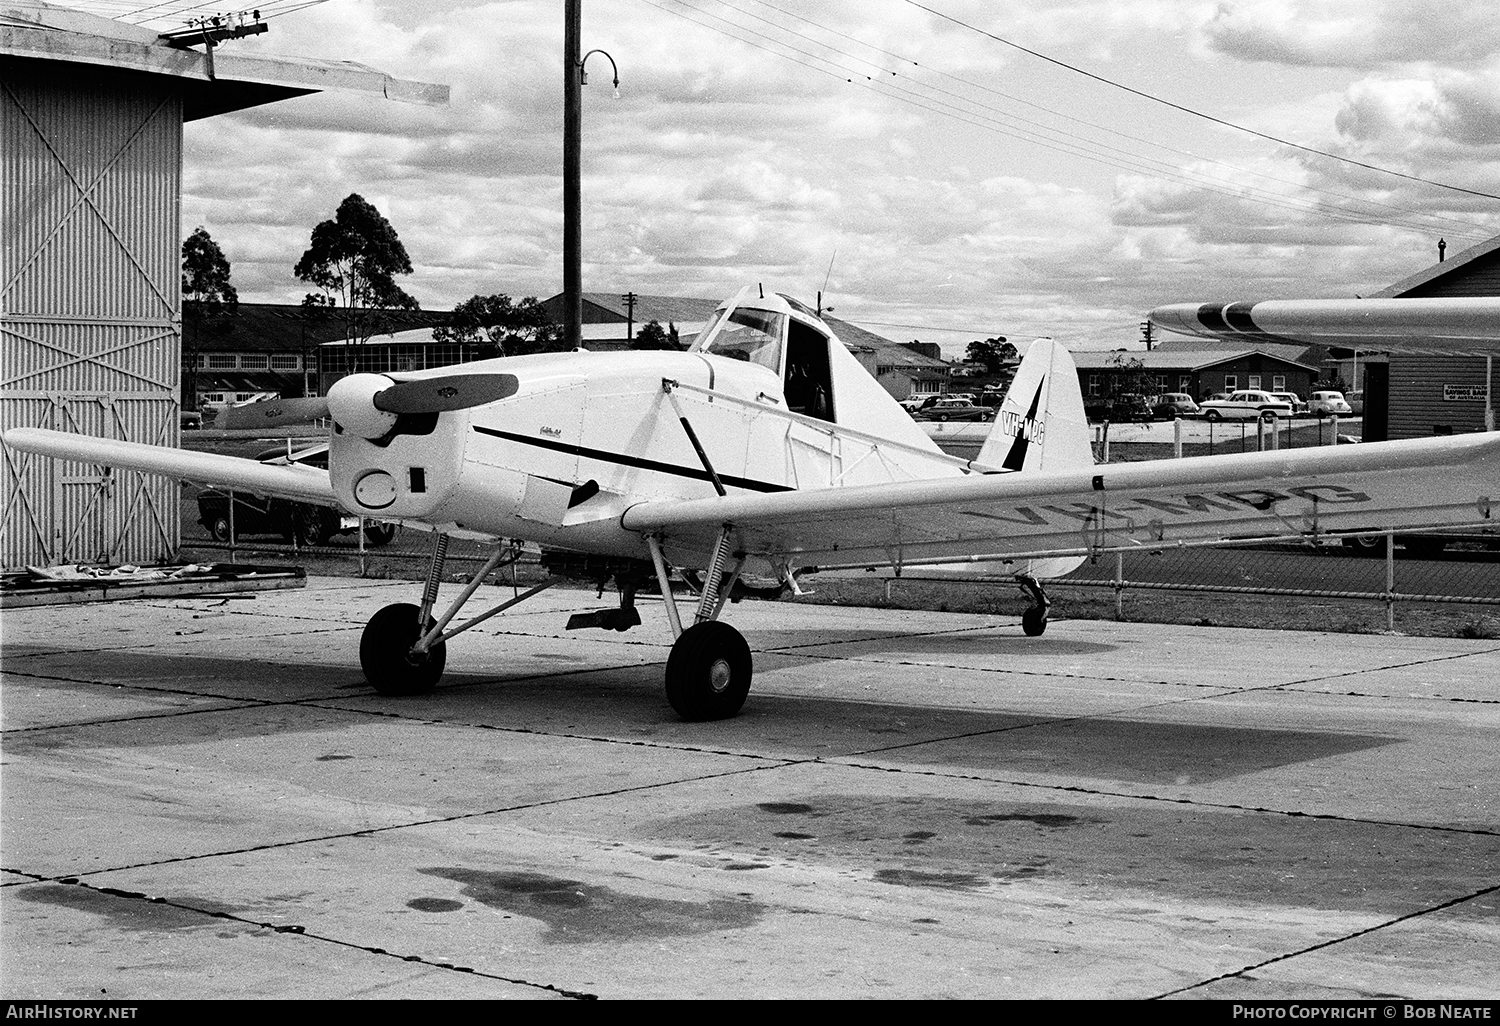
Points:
[(708, 672), (310, 525), (1365, 546), (942, 416), (379, 534), (1033, 622), (385, 653), (219, 528)]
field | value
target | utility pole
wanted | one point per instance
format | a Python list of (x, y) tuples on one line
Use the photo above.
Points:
[(629, 299), (572, 175), (1146, 328)]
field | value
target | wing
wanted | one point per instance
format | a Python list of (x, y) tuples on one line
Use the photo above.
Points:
[(1471, 324), (1423, 483), (306, 484)]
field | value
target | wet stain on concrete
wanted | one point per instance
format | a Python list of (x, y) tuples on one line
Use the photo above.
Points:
[(125, 910), (1166, 850), (941, 881), (1044, 819), (434, 904), (334, 758), (576, 912)]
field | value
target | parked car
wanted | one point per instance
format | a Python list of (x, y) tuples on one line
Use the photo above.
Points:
[(1246, 404), (948, 408), (306, 523), (1356, 401), (1296, 401), (1126, 406), (1214, 396), (1328, 403), (1171, 405)]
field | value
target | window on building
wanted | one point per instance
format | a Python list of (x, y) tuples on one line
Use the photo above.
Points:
[(1254, 381), (1278, 382), (221, 361), (1094, 384), (1231, 382), (253, 361), (285, 361), (1185, 383)]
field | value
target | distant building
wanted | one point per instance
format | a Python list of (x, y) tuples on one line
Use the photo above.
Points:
[(1448, 390), (270, 347), (1199, 372)]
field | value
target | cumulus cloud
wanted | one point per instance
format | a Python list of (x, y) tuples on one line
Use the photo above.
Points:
[(953, 182)]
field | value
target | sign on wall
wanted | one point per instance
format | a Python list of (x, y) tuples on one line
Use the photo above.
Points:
[(1465, 393)]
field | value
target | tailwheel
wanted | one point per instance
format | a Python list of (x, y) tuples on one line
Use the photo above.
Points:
[(386, 656), (1034, 619), (708, 672)]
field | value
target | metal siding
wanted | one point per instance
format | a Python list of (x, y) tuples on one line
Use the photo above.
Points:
[(1416, 404), (90, 331)]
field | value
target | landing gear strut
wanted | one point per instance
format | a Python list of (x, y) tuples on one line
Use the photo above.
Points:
[(403, 648), (709, 668), (1034, 620)]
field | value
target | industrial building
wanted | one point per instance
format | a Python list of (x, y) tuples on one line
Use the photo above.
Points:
[(91, 116)]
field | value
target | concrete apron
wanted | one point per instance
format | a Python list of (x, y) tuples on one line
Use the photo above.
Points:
[(201, 798)]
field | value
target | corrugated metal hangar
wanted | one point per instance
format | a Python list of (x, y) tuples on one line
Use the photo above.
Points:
[(91, 116)]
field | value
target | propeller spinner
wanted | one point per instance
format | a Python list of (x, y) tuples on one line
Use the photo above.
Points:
[(368, 404)]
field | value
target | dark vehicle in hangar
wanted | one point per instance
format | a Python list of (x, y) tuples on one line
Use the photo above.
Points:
[(302, 522)]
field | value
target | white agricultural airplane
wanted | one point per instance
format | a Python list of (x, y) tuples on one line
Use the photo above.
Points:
[(763, 452)]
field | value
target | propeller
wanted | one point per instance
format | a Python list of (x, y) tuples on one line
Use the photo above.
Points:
[(368, 404)]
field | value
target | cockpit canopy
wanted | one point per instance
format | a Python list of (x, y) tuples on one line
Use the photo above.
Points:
[(783, 335)]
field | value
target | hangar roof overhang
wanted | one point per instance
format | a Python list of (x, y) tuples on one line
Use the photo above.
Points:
[(215, 82)]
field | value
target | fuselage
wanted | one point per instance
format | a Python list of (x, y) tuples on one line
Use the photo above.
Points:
[(587, 435)]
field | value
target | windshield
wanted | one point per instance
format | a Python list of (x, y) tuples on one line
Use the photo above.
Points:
[(752, 335)]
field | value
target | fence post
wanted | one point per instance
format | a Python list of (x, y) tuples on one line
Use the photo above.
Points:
[(361, 532), (233, 534), (1390, 581), (1177, 437), (1119, 585)]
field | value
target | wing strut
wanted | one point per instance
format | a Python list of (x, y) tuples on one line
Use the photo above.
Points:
[(668, 386)]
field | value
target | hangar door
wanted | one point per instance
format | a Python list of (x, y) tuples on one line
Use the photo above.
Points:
[(90, 298)]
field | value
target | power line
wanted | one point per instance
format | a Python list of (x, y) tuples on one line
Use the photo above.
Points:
[(1058, 140), (1196, 113)]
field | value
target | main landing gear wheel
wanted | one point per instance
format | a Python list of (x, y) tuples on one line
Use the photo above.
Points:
[(386, 657), (1033, 621), (220, 529), (708, 672)]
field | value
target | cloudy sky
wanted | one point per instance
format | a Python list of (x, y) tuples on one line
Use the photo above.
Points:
[(912, 160)]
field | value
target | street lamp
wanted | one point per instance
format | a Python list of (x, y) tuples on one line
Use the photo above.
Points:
[(574, 78)]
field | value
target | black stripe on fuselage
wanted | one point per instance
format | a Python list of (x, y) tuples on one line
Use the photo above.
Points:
[(624, 460)]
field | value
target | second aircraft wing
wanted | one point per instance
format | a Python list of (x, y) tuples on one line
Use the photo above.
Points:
[(1424, 483)]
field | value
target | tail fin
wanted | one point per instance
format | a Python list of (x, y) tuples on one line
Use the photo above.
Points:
[(1041, 424)]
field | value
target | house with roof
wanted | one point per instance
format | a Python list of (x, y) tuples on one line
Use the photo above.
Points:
[(1198, 371), (1411, 394)]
